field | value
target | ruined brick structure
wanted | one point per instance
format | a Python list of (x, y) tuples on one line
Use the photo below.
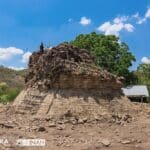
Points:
[(64, 79)]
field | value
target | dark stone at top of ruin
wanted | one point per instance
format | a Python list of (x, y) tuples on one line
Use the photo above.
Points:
[(67, 67)]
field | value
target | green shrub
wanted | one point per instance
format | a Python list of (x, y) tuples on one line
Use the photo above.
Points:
[(12, 94), (3, 87), (7, 94), (4, 99)]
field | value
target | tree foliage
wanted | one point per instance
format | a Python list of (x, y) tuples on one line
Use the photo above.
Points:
[(145, 70), (108, 52), (143, 75)]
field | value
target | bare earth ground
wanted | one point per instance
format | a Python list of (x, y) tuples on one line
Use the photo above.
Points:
[(130, 133)]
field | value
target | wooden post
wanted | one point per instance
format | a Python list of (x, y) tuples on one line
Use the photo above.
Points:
[(142, 102), (142, 99)]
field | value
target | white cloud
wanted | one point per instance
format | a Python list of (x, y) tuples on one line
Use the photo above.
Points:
[(104, 27), (118, 20), (145, 60), (147, 15), (8, 53), (136, 15), (16, 68), (85, 21), (129, 27), (110, 29), (141, 20), (114, 28), (25, 57)]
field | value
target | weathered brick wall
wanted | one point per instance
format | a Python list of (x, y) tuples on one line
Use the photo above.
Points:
[(58, 102)]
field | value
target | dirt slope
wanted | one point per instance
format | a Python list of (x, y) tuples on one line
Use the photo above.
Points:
[(122, 126)]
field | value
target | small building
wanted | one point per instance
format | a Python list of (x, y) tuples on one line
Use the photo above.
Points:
[(136, 93)]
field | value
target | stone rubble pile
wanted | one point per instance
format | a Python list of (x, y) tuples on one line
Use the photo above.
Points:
[(66, 66)]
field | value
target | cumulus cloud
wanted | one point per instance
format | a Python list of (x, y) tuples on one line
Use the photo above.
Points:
[(16, 68), (110, 29), (121, 19), (85, 21), (8, 53), (25, 57), (114, 28), (129, 27), (145, 60)]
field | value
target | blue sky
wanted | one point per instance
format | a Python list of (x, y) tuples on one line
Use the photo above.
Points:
[(24, 24)]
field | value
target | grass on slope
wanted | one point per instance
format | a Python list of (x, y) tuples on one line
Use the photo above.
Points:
[(11, 83)]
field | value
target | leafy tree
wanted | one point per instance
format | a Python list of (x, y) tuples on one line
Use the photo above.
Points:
[(145, 70), (108, 52), (143, 74)]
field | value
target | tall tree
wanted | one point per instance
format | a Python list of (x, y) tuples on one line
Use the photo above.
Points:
[(109, 53), (143, 74), (145, 70)]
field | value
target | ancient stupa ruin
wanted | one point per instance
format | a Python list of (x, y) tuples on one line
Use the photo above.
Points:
[(63, 81)]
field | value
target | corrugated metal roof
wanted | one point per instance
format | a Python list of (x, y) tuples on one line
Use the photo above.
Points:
[(136, 90)]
